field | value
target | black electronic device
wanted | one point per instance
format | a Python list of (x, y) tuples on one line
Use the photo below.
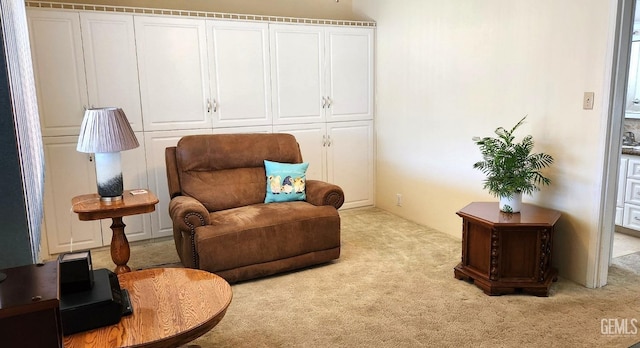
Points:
[(102, 305), (76, 271)]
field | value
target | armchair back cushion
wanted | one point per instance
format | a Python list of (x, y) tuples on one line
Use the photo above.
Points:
[(227, 171)]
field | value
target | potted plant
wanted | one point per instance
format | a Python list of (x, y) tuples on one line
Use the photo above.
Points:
[(510, 167)]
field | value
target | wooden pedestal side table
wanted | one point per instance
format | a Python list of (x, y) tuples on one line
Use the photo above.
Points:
[(90, 207), (504, 253)]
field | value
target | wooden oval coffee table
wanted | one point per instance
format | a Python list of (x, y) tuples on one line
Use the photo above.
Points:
[(171, 307)]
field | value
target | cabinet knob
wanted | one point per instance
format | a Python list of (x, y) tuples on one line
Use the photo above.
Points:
[(324, 139), (324, 102), (329, 102), (329, 142)]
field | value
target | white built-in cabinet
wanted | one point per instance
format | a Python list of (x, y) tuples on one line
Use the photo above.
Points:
[(83, 59), (321, 74), (240, 74), (632, 107), (628, 198), (177, 76), (322, 83), (340, 153), (174, 74), (68, 173)]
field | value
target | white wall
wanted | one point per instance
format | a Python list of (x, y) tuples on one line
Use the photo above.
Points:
[(450, 70)]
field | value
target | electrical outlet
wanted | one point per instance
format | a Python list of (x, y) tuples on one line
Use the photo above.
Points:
[(399, 199), (587, 101)]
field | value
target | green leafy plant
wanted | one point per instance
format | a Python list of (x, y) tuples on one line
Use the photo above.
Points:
[(510, 166)]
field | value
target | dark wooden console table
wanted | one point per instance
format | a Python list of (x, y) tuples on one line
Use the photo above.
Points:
[(504, 253), (30, 307)]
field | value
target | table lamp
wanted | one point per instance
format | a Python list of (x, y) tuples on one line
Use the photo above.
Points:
[(105, 132)]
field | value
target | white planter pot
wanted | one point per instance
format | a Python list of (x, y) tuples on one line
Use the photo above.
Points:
[(511, 204)]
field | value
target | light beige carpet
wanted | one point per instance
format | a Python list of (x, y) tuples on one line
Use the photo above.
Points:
[(393, 286)]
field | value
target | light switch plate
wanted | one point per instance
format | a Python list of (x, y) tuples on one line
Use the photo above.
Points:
[(587, 101)]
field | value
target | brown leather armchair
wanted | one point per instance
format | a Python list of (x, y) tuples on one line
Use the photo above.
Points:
[(217, 185)]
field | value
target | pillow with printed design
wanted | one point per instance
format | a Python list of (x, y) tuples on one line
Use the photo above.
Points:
[(285, 181)]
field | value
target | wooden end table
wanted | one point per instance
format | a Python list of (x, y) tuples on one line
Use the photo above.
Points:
[(90, 207), (504, 253), (171, 307)]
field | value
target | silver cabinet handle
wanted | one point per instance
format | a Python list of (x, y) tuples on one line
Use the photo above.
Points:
[(329, 102), (324, 139), (636, 101), (329, 141), (210, 105), (324, 102)]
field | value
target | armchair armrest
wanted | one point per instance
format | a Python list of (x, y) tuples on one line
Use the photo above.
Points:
[(323, 193), (187, 213)]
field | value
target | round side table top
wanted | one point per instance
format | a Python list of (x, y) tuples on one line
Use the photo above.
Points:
[(171, 307)]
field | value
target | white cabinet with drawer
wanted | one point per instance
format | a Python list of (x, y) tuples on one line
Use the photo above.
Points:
[(628, 211)]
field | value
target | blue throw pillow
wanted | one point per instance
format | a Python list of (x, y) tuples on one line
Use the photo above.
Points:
[(285, 181)]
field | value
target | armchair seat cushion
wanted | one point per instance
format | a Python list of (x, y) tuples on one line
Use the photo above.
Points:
[(260, 234)]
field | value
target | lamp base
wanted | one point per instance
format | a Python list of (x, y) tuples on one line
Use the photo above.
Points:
[(109, 200), (109, 174)]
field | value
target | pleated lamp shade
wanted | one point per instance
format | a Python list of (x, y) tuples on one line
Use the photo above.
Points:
[(105, 132)]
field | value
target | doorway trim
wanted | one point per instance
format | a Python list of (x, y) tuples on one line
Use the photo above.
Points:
[(613, 137)]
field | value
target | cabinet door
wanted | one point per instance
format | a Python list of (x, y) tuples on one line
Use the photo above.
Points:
[(350, 160), (174, 76), (69, 173), (155, 144), (349, 54), (633, 168), (632, 191), (312, 139), (58, 68), (297, 65), (110, 57), (631, 216), (240, 76), (622, 178), (134, 176)]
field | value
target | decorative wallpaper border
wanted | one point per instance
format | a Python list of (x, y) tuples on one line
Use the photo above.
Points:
[(200, 14)]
